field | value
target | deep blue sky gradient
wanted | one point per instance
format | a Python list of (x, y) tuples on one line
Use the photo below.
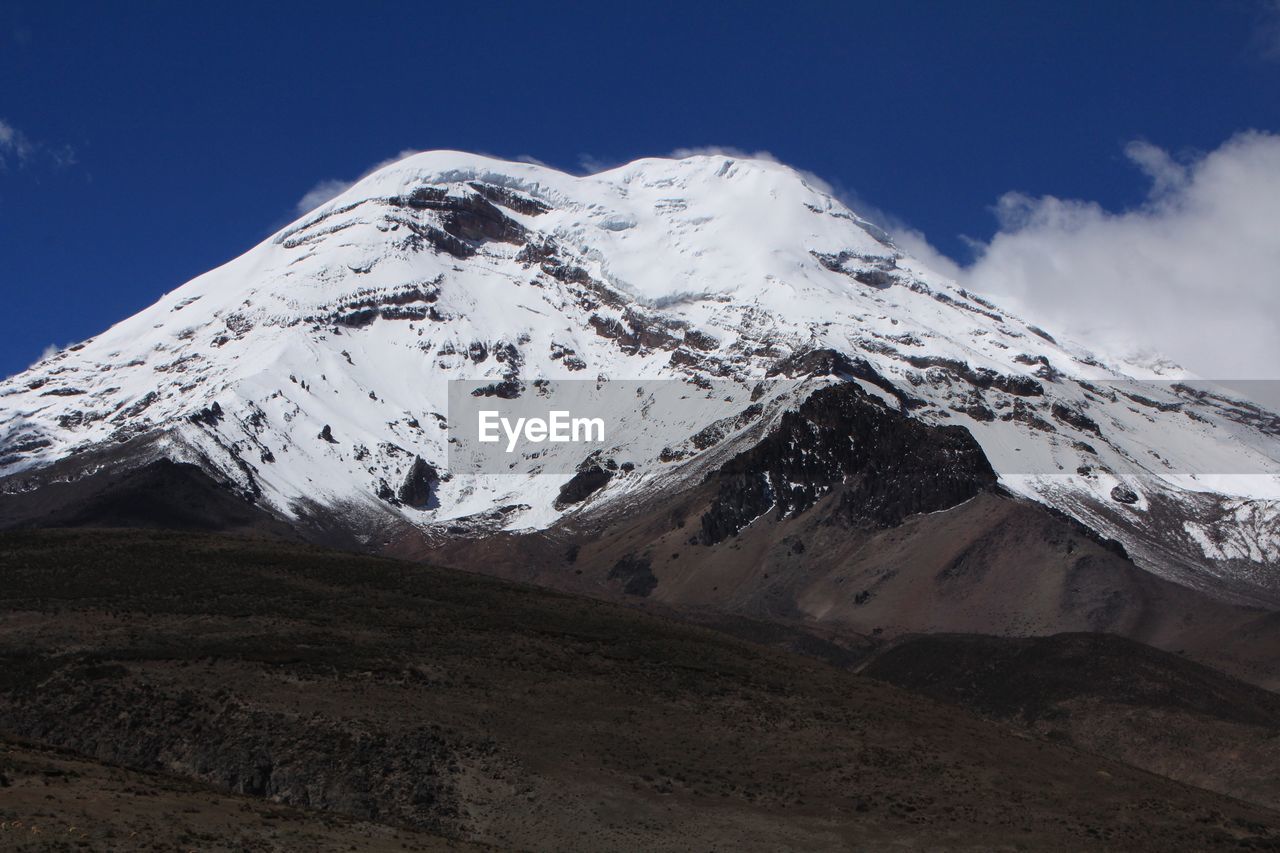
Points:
[(197, 127)]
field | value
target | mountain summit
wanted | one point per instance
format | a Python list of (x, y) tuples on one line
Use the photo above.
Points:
[(308, 376)]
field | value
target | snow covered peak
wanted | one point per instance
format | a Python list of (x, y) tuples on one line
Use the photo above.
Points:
[(662, 229), (312, 369)]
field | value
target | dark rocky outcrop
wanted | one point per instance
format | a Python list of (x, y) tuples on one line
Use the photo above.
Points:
[(209, 415), (471, 218), (508, 389), (885, 465), (1123, 494), (1074, 418), (591, 478), (419, 487), (20, 444), (1024, 412), (982, 377), (829, 362), (510, 199)]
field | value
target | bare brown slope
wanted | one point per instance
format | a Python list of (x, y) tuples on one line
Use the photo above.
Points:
[(993, 565), (1108, 695), (477, 709)]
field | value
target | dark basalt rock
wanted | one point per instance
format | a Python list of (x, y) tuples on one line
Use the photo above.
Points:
[(977, 411), (1123, 494), (472, 218), (411, 302), (438, 240), (510, 199), (982, 378), (1041, 333), (1154, 404), (878, 279), (700, 340), (419, 486), (652, 331), (886, 466), (477, 220), (590, 479), (22, 444), (538, 251), (947, 300), (611, 327), (1240, 411), (1079, 420), (326, 434), (385, 492), (874, 271), (209, 415), (508, 389), (812, 362), (829, 362), (1024, 412), (636, 573), (683, 358), (76, 418)]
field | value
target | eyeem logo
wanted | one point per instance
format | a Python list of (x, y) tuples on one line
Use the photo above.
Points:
[(559, 426)]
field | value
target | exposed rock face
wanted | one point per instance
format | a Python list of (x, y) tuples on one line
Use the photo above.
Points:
[(886, 465), (418, 488), (1076, 419), (472, 218), (1123, 494), (589, 479)]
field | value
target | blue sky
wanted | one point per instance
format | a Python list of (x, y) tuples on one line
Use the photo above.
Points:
[(143, 143)]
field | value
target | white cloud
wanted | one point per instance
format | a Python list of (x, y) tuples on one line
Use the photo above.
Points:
[(330, 188), (722, 151), (15, 148), (320, 193), (1193, 273), (49, 352), (915, 244), (589, 164)]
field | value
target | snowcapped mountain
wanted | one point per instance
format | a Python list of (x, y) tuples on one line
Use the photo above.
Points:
[(310, 374)]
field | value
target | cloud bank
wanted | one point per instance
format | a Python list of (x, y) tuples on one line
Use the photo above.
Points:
[(1193, 273)]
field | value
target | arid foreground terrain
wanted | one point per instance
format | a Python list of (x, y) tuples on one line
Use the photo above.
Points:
[(178, 691)]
